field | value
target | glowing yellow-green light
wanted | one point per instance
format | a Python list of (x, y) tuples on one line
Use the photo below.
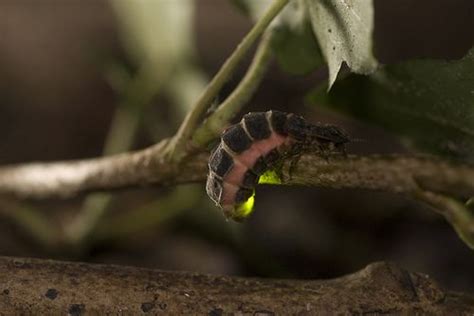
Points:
[(243, 210), (269, 177)]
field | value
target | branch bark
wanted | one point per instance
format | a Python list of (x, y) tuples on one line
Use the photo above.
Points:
[(70, 178), (34, 286), (390, 173)]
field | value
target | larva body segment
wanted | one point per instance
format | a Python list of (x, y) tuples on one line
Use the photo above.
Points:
[(252, 146), (257, 125), (236, 139), (220, 162)]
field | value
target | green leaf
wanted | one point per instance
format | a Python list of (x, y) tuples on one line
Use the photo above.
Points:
[(344, 31), (429, 103), (295, 44)]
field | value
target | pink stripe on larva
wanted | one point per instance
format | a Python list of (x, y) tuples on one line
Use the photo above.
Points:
[(260, 148), (229, 193), (249, 156), (242, 162), (266, 145), (236, 174)]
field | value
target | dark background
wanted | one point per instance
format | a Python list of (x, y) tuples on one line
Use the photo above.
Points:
[(55, 104)]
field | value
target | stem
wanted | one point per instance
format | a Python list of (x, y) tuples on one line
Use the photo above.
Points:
[(177, 149), (456, 213), (149, 215), (240, 96), (34, 223), (120, 138)]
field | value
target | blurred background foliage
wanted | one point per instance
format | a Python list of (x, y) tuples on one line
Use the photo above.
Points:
[(81, 79)]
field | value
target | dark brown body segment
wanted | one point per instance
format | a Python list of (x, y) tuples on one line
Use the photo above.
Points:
[(257, 125), (243, 195), (236, 139), (250, 179), (278, 122), (296, 127), (272, 157), (220, 162)]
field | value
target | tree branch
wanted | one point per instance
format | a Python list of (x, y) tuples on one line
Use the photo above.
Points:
[(431, 180), (136, 95), (34, 286), (390, 173), (69, 178)]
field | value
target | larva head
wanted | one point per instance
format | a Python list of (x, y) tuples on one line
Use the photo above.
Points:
[(328, 133)]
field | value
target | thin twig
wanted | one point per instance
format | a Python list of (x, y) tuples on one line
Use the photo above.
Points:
[(177, 146), (31, 220), (212, 126), (125, 122), (148, 215), (455, 212)]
